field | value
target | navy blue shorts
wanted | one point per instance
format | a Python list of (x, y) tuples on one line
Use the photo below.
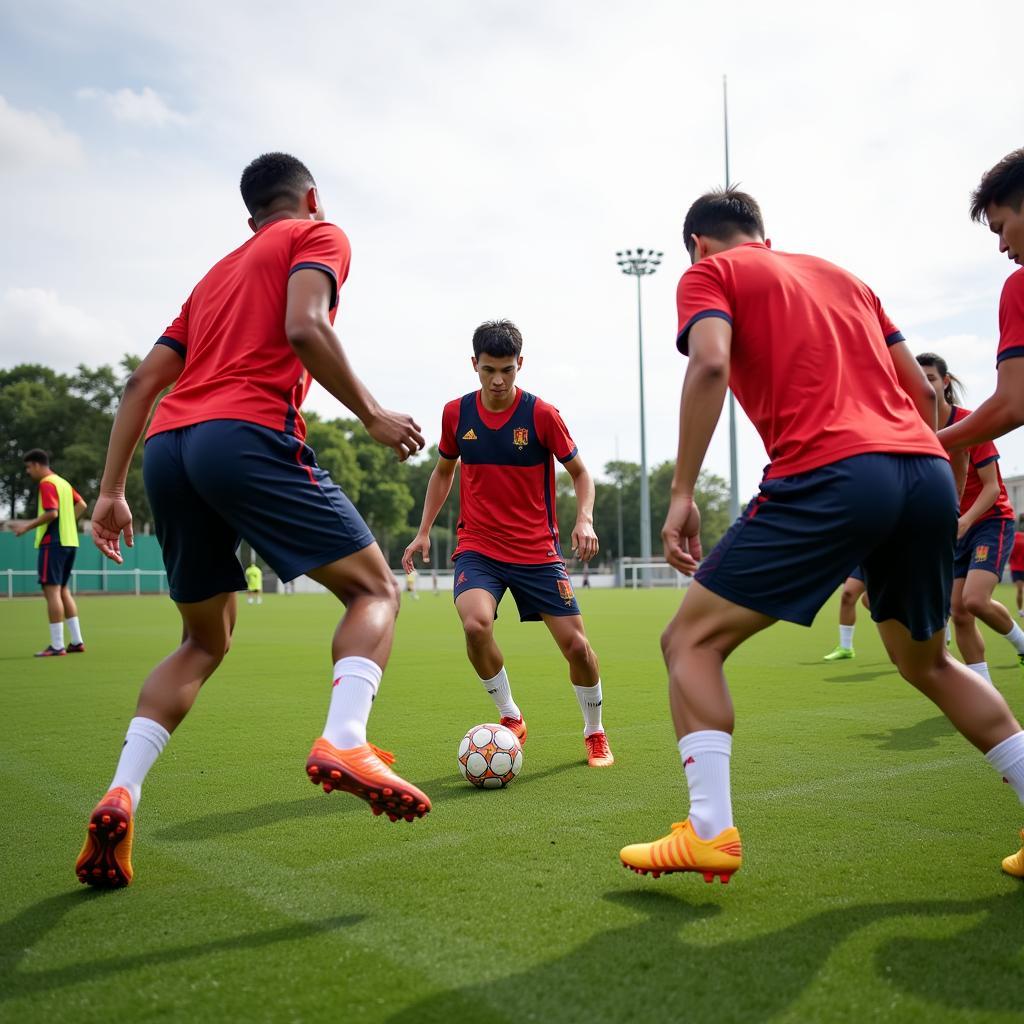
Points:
[(894, 515), (537, 590), (54, 565), (986, 545), (1017, 575), (214, 484), (857, 573)]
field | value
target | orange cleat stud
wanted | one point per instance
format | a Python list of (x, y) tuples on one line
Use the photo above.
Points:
[(327, 787), (92, 826), (335, 774), (709, 876), (724, 879), (105, 819), (406, 798), (388, 791)]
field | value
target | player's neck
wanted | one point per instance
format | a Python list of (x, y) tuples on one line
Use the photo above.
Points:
[(498, 403), (944, 412)]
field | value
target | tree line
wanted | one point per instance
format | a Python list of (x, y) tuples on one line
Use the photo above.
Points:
[(70, 416)]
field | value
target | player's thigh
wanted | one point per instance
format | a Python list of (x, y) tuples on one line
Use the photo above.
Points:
[(542, 591), (208, 624), (707, 620), (957, 599), (913, 657), (362, 574), (477, 610), (979, 585)]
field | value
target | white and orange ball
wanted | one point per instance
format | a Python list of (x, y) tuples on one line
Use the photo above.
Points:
[(490, 756)]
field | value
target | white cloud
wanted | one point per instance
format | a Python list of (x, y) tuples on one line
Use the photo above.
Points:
[(29, 140), (143, 107)]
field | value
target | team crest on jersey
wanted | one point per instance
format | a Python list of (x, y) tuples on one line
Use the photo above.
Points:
[(981, 553), (565, 591), (520, 437), (469, 435)]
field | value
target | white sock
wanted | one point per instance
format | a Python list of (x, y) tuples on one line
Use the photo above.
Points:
[(143, 744), (705, 757), (981, 667), (590, 704), (846, 636), (57, 636), (356, 681), (501, 693), (75, 629), (949, 632), (1008, 759), (1016, 637)]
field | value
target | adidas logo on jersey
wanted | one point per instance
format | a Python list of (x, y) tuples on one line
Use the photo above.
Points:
[(469, 435)]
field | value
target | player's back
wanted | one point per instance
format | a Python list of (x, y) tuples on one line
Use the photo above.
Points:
[(238, 362)]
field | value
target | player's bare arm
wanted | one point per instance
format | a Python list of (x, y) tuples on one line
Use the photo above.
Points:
[(584, 539), (987, 497), (41, 520), (1002, 412), (112, 516), (700, 406), (914, 382), (313, 339), (438, 488), (80, 507)]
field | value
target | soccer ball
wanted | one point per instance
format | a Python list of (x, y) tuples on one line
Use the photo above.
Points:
[(490, 756)]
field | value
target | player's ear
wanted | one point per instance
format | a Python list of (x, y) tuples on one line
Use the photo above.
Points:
[(476, 368), (767, 243), (313, 202), (252, 225), (519, 362)]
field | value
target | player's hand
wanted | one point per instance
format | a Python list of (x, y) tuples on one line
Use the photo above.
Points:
[(420, 544), (584, 540), (680, 535), (962, 526), (110, 518), (20, 531), (397, 431)]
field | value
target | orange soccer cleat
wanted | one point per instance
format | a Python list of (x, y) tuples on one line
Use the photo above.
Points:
[(106, 857), (516, 726), (1014, 864), (365, 772), (599, 754), (684, 850)]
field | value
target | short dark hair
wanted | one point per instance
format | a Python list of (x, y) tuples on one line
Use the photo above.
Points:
[(497, 338), (272, 177), (36, 455), (722, 213), (954, 390), (1002, 185)]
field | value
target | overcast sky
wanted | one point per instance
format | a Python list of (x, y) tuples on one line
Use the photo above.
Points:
[(486, 160)]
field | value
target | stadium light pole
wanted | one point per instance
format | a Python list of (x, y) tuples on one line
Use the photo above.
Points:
[(639, 263), (734, 472)]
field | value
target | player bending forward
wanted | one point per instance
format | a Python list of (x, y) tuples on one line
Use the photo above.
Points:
[(857, 477), (507, 440), (225, 459)]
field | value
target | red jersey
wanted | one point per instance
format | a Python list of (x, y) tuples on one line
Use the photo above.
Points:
[(983, 454), (809, 362), (1017, 554), (230, 332), (507, 485), (50, 501), (1011, 318)]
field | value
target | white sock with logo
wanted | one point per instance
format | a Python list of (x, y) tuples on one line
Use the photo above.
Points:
[(981, 667), (500, 691), (143, 744), (589, 698), (705, 757), (1016, 637), (75, 629), (846, 636), (1008, 759), (57, 636), (356, 681)]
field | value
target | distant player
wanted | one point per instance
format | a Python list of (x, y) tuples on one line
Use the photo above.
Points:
[(857, 477), (999, 201), (225, 459), (854, 590), (1017, 565), (985, 533), (410, 585), (254, 584), (507, 441), (58, 508)]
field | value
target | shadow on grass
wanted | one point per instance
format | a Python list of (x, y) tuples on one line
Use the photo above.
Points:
[(656, 973), (31, 925), (923, 735), (440, 790), (861, 677)]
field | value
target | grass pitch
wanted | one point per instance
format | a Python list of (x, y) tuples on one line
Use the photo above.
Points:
[(870, 890)]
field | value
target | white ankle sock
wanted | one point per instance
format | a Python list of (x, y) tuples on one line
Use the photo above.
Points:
[(143, 744), (590, 704), (1008, 759), (75, 629), (356, 681), (501, 693), (1016, 637), (949, 632), (981, 667), (846, 636), (57, 636), (705, 757)]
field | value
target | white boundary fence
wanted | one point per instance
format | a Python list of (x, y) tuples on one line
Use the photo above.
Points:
[(103, 576)]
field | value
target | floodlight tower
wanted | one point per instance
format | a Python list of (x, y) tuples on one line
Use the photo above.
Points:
[(638, 263)]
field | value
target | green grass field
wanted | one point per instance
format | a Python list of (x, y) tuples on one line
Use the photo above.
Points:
[(871, 887)]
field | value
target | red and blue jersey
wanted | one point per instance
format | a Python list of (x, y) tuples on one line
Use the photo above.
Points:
[(1011, 318), (230, 332), (507, 485), (50, 502), (984, 454), (809, 361)]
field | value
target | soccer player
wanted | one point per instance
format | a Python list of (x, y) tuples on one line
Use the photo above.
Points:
[(854, 590), (225, 459), (857, 477), (254, 583), (58, 509), (410, 585), (999, 201), (507, 441), (1017, 565), (985, 533)]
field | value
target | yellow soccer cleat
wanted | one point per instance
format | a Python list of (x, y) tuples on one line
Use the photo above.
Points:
[(106, 858), (684, 850), (1014, 864)]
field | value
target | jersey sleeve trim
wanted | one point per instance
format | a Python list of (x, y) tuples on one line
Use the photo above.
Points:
[(896, 336), (1013, 352), (985, 462), (445, 455), (174, 346), (329, 271), (563, 459), (683, 337)]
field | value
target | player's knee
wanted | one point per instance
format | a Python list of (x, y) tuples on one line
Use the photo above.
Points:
[(976, 604), (478, 630), (577, 648)]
